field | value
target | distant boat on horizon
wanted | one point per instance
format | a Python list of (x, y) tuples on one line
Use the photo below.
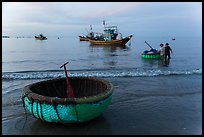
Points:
[(5, 36), (41, 37)]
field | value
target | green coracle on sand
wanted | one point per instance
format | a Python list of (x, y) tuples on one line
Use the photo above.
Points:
[(47, 101)]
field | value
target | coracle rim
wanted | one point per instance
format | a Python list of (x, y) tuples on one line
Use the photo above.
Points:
[(55, 100)]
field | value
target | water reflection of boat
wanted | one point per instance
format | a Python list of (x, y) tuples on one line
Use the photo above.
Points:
[(40, 37)]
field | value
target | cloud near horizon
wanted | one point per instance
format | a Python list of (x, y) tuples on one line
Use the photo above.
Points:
[(26, 17), (62, 12)]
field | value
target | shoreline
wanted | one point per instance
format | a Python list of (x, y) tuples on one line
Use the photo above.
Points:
[(162, 105)]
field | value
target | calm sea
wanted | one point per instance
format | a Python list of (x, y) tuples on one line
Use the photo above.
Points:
[(148, 98), (27, 58)]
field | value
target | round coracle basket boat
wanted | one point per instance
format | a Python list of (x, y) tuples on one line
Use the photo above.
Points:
[(47, 100), (151, 55)]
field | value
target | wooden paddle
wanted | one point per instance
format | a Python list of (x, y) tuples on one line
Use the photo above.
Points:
[(148, 44), (70, 92)]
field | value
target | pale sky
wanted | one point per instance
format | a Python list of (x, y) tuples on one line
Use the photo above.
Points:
[(75, 18)]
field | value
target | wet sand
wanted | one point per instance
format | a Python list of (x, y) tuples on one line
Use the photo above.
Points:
[(162, 105)]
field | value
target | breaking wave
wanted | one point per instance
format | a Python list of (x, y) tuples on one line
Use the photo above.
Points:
[(95, 73)]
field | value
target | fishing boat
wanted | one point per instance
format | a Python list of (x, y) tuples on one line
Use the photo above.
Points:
[(116, 42), (47, 100), (109, 37), (5, 36), (40, 37)]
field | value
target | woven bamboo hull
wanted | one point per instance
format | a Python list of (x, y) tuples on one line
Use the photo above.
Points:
[(113, 42), (150, 56), (66, 113), (92, 97)]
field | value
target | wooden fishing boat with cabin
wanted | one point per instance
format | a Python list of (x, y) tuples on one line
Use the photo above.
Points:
[(115, 42), (109, 37)]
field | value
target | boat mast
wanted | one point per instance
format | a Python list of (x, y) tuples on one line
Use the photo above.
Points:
[(91, 28), (104, 24)]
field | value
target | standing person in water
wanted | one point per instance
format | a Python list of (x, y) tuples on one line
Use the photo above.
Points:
[(167, 52), (162, 52)]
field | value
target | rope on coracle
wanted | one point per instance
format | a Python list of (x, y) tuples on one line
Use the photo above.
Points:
[(37, 109), (76, 112), (42, 117), (54, 104), (55, 107)]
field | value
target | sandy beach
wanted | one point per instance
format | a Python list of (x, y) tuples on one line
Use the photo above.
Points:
[(149, 97), (140, 106)]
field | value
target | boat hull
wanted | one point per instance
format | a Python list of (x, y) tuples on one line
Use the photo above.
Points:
[(113, 42), (150, 56), (83, 39), (40, 38), (66, 113)]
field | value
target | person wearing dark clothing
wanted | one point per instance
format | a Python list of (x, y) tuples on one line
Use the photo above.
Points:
[(167, 52)]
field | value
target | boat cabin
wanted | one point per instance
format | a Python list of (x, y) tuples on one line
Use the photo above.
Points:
[(110, 33)]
